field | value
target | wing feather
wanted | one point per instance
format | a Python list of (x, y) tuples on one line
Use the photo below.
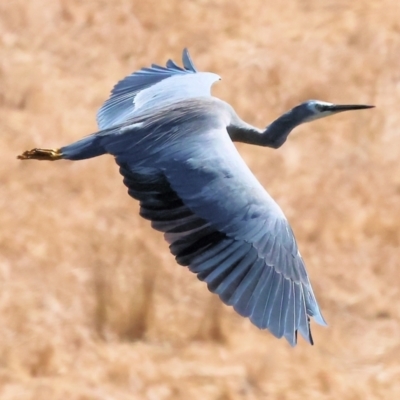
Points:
[(154, 87), (290, 317), (227, 287), (244, 293), (222, 270), (256, 308)]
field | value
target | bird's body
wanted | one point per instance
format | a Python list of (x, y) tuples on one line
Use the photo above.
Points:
[(173, 143)]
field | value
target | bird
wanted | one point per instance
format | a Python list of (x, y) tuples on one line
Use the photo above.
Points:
[(174, 145)]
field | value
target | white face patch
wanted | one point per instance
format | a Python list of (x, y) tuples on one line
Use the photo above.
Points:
[(317, 114)]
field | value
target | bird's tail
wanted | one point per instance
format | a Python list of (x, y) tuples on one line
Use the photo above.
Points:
[(87, 147)]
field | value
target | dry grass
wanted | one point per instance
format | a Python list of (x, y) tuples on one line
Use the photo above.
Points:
[(92, 306)]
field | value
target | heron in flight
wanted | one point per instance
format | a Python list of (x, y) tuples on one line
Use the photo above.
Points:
[(173, 143)]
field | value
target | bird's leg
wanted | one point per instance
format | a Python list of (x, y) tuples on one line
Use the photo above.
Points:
[(41, 154)]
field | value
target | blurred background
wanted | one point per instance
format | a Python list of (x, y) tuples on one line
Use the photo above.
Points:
[(93, 306)]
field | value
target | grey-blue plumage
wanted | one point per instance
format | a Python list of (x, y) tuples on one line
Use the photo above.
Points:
[(173, 143)]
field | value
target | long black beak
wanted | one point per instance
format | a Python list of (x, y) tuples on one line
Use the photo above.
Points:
[(347, 107)]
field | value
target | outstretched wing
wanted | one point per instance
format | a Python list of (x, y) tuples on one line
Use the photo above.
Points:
[(222, 224), (154, 87)]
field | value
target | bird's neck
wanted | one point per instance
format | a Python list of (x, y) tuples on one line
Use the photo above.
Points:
[(274, 135), (278, 131)]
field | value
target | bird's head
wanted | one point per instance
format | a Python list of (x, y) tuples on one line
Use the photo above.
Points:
[(315, 109)]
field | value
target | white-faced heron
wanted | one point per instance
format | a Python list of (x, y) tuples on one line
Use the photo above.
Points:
[(173, 143)]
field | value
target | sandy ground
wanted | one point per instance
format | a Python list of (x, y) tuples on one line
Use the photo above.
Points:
[(93, 306)]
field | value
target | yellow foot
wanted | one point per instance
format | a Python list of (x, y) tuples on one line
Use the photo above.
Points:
[(41, 154)]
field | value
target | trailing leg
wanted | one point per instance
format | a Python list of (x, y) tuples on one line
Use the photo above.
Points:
[(82, 149), (41, 154)]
